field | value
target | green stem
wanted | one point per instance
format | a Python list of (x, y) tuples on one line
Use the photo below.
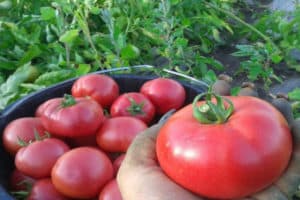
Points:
[(211, 113), (68, 101), (135, 108), (251, 27)]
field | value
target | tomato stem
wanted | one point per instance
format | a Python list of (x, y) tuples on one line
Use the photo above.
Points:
[(135, 108), (68, 100), (212, 113)]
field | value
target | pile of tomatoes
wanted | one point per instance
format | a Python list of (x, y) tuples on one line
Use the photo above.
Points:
[(73, 146)]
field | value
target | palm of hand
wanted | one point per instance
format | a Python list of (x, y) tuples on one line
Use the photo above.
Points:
[(140, 177)]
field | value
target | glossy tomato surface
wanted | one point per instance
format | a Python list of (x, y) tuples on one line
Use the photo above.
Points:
[(21, 129), (43, 189), (230, 160), (81, 119), (164, 93), (102, 88), (133, 104), (82, 172), (38, 158), (117, 133), (111, 191)]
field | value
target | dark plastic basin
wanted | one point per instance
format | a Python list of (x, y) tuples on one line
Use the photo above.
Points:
[(27, 106)]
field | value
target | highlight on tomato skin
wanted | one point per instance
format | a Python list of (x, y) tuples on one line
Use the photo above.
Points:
[(82, 172), (164, 93), (237, 158)]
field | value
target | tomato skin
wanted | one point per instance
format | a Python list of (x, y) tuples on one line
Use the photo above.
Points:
[(43, 189), (117, 163), (22, 128), (111, 191), (123, 103), (82, 172), (80, 119), (100, 87), (238, 158), (117, 133), (19, 181), (164, 93), (37, 159)]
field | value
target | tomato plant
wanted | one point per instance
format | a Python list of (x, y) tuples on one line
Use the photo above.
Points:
[(71, 117), (164, 93), (21, 129), (82, 172), (225, 150), (38, 158), (100, 87), (117, 133), (133, 104), (111, 191), (43, 189)]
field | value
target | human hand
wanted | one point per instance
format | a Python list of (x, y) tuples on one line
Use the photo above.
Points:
[(140, 176)]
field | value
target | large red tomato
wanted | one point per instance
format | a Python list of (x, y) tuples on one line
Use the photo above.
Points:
[(133, 104), (82, 172), (164, 93), (242, 155), (100, 87), (38, 158), (117, 133), (72, 117), (21, 129)]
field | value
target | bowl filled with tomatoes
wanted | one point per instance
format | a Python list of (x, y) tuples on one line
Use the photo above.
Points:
[(53, 141)]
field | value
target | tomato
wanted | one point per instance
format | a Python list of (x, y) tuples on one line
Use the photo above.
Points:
[(72, 117), (37, 159), (19, 181), (89, 140), (100, 87), (133, 104), (164, 93), (111, 191), (117, 163), (82, 172), (22, 128), (245, 153), (43, 189), (117, 133)]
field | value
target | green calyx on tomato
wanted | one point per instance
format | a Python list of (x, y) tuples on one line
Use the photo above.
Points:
[(68, 101), (37, 137), (212, 113), (135, 108)]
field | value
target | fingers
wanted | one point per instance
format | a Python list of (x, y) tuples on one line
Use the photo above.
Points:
[(142, 150), (271, 192)]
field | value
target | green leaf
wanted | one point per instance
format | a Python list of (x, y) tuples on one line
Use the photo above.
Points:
[(294, 95), (7, 63), (47, 13), (130, 52), (33, 52), (53, 77), (234, 91), (69, 36), (276, 58), (83, 69)]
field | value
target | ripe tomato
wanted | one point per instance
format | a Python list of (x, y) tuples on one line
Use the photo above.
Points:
[(117, 133), (22, 128), (133, 104), (111, 191), (37, 159), (82, 172), (164, 93), (19, 181), (117, 163), (43, 189), (102, 88), (72, 117), (233, 159)]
